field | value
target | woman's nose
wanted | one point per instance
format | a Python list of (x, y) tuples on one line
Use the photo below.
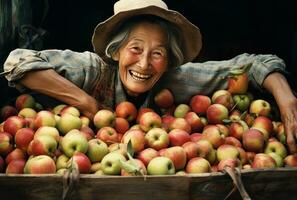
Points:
[(144, 61)]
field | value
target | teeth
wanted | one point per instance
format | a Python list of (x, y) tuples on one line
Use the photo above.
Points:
[(139, 76)]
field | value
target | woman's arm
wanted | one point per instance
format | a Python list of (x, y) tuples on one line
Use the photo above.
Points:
[(278, 86), (50, 83)]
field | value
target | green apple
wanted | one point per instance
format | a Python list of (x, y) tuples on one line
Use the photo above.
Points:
[(97, 150), (61, 161), (242, 102), (160, 166), (111, 163), (74, 141), (68, 122)]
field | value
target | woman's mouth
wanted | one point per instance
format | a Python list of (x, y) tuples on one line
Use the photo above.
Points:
[(138, 76)]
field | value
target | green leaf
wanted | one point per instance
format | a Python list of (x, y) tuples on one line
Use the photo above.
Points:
[(130, 150)]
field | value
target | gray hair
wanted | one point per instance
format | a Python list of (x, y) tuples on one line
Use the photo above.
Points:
[(175, 55)]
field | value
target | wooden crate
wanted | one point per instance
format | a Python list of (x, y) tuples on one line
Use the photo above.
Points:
[(260, 184)]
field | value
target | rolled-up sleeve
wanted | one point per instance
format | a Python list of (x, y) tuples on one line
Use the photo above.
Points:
[(80, 68), (205, 78)]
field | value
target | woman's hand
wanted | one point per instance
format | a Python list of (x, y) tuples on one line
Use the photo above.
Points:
[(88, 106), (277, 84)]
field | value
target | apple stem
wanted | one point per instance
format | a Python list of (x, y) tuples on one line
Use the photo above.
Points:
[(236, 177)]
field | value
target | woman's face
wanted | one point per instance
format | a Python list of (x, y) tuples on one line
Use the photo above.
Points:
[(142, 58)]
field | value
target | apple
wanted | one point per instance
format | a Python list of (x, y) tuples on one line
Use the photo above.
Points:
[(233, 141), (23, 137), (177, 137), (229, 162), (223, 97), (200, 103), (137, 138), (139, 164), (70, 110), (290, 160), (41, 164), (242, 156), (263, 160), (82, 161), (111, 163), (213, 134), (206, 150), (250, 156), (48, 130), (68, 122), (195, 122), (127, 110), (147, 155), (141, 111), (216, 113), (249, 119), (194, 137), (43, 145), (85, 121), (177, 154), (263, 124), (27, 113), (280, 134), (164, 98), (57, 109), (87, 132), (16, 167), (24, 101), (278, 159), (157, 138), (104, 118), (108, 135), (13, 123), (62, 162), (95, 167), (121, 125), (180, 123), (253, 140), (276, 147), (198, 165), (6, 143), (235, 115), (181, 110), (180, 173), (118, 148), (191, 149), (97, 149), (44, 118), (150, 120), (238, 80), (166, 121), (242, 102), (160, 166), (226, 151), (238, 128), (15, 154), (74, 141), (260, 107), (7, 111)]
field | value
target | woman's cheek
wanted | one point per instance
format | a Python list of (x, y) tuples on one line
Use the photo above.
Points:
[(160, 66)]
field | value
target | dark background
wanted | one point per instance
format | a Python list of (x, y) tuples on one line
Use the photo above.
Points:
[(229, 27)]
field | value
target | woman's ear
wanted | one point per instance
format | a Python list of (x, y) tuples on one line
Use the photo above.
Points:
[(115, 56)]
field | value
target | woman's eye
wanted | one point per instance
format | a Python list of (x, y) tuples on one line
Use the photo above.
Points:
[(136, 49)]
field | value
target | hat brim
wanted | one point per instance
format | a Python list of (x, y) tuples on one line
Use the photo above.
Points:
[(190, 33)]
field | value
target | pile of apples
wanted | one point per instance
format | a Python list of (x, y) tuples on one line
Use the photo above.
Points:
[(208, 133)]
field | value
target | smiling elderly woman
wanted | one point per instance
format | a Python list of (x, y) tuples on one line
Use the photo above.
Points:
[(141, 49)]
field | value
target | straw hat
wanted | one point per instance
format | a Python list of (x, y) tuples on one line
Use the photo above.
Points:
[(124, 9)]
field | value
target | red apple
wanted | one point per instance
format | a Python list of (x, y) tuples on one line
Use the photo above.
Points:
[(57, 109), (180, 123), (141, 111), (44, 118), (150, 120), (7, 111), (238, 80), (104, 118), (200, 103), (16, 167), (108, 135), (24, 101), (164, 98), (87, 132), (43, 145), (166, 121), (263, 124), (177, 154), (198, 165), (15, 154), (213, 134), (147, 155), (263, 160), (216, 113), (233, 141), (157, 138), (223, 97), (196, 137), (13, 123), (42, 164), (137, 138), (195, 122), (191, 149), (121, 125), (229, 162), (177, 137), (23, 137), (237, 129), (253, 140), (126, 110), (82, 161), (291, 160)]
